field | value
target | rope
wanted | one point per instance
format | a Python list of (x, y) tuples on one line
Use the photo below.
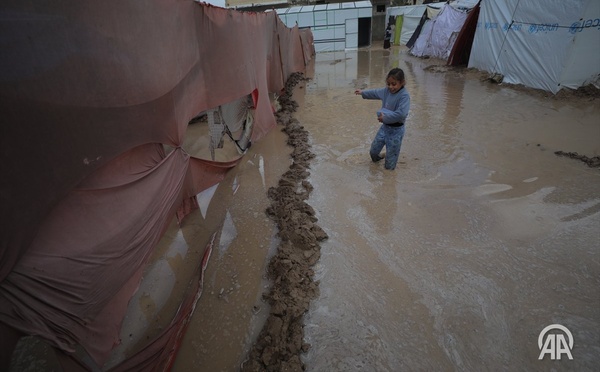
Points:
[(506, 35)]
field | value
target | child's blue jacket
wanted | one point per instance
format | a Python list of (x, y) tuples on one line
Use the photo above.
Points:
[(394, 107)]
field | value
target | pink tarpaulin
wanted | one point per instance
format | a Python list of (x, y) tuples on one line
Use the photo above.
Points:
[(91, 95)]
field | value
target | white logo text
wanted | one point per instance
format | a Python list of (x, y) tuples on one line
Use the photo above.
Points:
[(556, 345)]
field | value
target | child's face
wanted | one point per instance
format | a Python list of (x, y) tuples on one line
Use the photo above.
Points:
[(394, 85)]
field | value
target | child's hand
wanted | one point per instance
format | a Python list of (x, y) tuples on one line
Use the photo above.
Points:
[(358, 92), (380, 117)]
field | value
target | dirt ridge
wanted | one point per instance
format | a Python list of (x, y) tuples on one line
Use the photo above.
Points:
[(592, 162), (281, 341)]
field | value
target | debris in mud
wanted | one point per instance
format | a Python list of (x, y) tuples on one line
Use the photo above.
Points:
[(445, 69), (338, 61), (588, 92), (281, 340), (593, 162), (496, 78)]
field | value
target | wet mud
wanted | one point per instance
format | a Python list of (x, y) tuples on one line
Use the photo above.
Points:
[(593, 162), (281, 341)]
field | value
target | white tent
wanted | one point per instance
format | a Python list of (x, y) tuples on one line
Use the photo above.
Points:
[(543, 44), (408, 17), (337, 26), (405, 27), (438, 34)]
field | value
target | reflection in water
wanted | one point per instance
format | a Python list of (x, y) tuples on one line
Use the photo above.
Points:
[(382, 206), (230, 312), (261, 170), (204, 198), (228, 234), (459, 258)]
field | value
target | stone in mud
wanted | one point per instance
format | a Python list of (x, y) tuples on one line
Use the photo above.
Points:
[(319, 233)]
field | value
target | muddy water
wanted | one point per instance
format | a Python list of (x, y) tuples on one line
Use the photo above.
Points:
[(479, 239), (230, 311), (456, 260)]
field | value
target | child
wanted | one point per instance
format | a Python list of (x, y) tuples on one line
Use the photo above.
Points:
[(394, 110)]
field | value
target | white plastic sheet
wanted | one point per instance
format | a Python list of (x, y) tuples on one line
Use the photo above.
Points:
[(438, 35), (412, 16), (549, 44)]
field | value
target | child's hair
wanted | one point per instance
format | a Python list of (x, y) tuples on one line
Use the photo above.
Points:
[(397, 74)]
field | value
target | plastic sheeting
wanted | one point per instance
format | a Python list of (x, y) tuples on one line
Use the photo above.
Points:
[(461, 51), (438, 34), (549, 44), (96, 98), (411, 16)]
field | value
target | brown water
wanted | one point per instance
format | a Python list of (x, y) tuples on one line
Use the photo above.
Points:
[(456, 260)]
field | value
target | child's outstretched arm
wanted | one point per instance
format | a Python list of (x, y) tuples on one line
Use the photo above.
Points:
[(371, 93)]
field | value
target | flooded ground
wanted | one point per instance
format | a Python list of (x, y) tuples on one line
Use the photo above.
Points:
[(456, 260)]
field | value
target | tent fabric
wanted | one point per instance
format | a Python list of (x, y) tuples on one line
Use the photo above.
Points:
[(461, 51), (398, 29), (420, 47), (549, 45), (411, 16), (96, 98), (438, 34), (159, 354), (414, 17), (411, 21), (413, 39), (433, 12)]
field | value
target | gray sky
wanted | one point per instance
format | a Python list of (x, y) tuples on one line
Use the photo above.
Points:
[(220, 3)]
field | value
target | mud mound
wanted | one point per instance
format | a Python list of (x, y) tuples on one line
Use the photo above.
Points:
[(281, 341), (461, 70), (587, 92), (593, 162)]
